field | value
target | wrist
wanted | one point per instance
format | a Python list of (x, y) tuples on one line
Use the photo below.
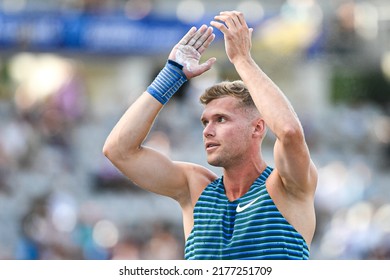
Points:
[(167, 82), (242, 60)]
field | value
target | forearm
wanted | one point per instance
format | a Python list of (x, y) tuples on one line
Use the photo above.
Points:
[(291, 154), (276, 110), (131, 130), (273, 105)]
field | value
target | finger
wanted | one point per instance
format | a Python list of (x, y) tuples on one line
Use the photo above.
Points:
[(230, 13), (220, 26), (241, 18), (188, 36), (235, 16), (197, 35), (206, 43), (199, 69), (207, 65), (203, 38), (229, 21)]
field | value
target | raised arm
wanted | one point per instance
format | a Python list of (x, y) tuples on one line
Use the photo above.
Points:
[(146, 167), (292, 158)]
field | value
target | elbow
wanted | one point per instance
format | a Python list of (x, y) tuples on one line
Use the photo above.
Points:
[(109, 150), (291, 134), (115, 152)]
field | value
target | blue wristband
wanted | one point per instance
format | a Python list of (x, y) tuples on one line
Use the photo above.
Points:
[(167, 82)]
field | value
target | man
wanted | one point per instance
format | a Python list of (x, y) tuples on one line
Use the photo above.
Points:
[(253, 211)]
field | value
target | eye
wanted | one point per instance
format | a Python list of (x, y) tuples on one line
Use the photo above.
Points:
[(221, 119), (204, 123)]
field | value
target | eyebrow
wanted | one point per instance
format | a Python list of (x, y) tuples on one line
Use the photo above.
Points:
[(216, 115)]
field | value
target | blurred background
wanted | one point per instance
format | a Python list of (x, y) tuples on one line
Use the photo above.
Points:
[(70, 68)]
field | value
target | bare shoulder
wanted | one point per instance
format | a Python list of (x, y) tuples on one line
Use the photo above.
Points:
[(198, 177)]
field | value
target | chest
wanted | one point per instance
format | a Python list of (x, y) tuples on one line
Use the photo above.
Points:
[(230, 222)]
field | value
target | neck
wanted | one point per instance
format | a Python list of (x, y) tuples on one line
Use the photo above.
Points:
[(238, 180)]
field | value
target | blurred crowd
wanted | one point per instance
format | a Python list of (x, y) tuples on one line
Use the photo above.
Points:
[(61, 199)]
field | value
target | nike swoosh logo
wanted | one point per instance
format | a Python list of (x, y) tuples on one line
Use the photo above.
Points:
[(240, 209)]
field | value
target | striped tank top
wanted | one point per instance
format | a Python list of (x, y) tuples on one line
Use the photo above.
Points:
[(250, 227)]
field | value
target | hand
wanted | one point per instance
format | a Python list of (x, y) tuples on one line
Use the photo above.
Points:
[(190, 48), (237, 34)]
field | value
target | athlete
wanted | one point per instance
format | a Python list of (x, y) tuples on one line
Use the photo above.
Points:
[(253, 211)]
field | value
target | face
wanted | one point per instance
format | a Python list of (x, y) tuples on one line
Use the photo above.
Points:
[(227, 133)]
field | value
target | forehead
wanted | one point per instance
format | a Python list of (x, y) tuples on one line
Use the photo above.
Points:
[(223, 105)]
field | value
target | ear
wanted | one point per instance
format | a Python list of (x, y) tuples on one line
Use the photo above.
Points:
[(259, 128)]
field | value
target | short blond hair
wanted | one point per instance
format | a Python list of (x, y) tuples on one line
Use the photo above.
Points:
[(235, 89)]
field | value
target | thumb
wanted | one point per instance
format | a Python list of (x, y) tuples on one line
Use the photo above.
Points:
[(200, 69), (208, 64)]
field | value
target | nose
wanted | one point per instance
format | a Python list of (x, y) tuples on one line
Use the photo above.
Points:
[(208, 131)]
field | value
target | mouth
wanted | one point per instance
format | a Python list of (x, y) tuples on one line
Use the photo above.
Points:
[(211, 146)]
